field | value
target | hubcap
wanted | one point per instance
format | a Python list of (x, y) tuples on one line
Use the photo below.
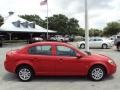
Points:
[(24, 74), (97, 73), (82, 46), (104, 46)]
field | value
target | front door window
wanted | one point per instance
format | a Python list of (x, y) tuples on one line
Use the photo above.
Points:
[(65, 51)]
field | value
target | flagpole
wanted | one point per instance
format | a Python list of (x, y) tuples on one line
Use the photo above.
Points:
[(47, 20)]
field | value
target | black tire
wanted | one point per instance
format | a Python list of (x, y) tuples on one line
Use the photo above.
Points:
[(28, 69), (104, 46), (93, 76), (82, 46), (118, 47)]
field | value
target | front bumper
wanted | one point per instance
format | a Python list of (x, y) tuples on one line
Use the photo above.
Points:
[(112, 69)]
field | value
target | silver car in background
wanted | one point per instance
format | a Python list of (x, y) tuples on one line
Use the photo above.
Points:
[(97, 42)]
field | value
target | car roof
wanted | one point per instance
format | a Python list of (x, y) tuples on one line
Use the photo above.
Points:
[(48, 42)]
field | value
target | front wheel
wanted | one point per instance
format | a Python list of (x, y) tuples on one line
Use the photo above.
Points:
[(25, 73), (104, 46), (82, 46), (97, 73)]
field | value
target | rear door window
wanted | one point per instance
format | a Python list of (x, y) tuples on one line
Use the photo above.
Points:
[(41, 50)]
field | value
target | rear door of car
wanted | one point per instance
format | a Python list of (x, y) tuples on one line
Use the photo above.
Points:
[(42, 58)]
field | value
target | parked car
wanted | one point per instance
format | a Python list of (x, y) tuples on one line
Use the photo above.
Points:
[(71, 38), (53, 39), (97, 43), (117, 43), (57, 59), (59, 38), (35, 39), (1, 40), (114, 37)]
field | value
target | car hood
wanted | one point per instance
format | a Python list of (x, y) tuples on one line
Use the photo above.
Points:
[(97, 57)]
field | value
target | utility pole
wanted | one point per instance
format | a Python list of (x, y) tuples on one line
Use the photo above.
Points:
[(47, 20), (86, 27)]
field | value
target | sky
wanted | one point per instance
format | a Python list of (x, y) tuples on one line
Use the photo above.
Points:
[(100, 11)]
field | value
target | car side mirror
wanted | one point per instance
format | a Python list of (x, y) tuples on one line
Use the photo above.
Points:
[(78, 55)]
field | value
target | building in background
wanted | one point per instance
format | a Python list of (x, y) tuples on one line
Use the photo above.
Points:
[(15, 27)]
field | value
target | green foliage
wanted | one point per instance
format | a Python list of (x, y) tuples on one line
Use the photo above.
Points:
[(60, 23), (73, 26), (1, 20), (112, 28), (33, 18), (80, 32), (95, 32)]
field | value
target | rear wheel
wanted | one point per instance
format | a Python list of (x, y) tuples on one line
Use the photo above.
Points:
[(104, 46), (82, 46), (97, 73), (25, 73)]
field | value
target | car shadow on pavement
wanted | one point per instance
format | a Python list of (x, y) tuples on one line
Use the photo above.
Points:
[(60, 79), (10, 77), (13, 78)]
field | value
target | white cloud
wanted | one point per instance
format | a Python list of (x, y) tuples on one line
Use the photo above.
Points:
[(100, 11)]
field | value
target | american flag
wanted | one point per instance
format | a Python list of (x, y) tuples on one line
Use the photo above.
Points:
[(43, 2)]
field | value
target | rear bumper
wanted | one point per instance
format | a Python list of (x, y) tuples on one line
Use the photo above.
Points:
[(9, 67)]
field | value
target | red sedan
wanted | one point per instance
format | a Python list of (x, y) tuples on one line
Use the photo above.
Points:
[(57, 58)]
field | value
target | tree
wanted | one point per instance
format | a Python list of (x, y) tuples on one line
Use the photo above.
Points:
[(80, 32), (72, 26), (95, 32), (112, 28), (33, 18), (1, 20), (62, 24), (57, 23)]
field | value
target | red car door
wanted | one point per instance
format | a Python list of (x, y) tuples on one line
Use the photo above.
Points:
[(67, 63), (42, 58)]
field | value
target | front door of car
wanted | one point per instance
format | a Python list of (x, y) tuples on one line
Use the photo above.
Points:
[(67, 63), (92, 43), (42, 58), (99, 42)]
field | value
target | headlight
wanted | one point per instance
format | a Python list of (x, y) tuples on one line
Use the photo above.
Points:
[(111, 61)]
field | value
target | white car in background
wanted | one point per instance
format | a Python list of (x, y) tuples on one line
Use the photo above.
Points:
[(59, 38), (97, 43)]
